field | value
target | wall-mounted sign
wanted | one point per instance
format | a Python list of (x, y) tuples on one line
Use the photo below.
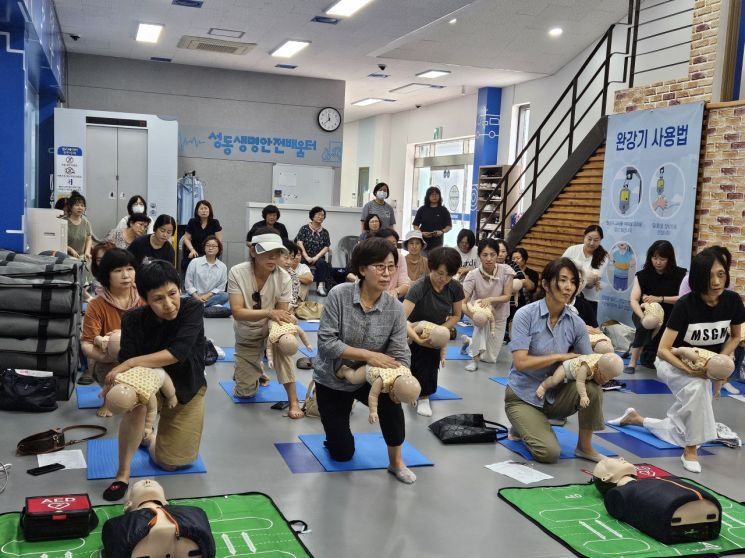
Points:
[(68, 170)]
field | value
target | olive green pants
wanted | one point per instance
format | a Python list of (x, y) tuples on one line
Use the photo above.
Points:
[(531, 423)]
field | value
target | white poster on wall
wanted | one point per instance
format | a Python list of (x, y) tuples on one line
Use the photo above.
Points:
[(68, 170)]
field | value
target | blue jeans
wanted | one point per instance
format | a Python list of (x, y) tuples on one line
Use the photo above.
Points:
[(739, 355), (217, 298)]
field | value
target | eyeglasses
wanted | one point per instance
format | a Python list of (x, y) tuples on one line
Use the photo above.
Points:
[(381, 268), (257, 300), (211, 246)]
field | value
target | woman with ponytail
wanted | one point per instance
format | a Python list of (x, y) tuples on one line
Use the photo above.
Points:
[(591, 259)]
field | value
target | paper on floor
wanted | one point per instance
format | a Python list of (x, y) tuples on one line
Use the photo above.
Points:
[(525, 475), (71, 459)]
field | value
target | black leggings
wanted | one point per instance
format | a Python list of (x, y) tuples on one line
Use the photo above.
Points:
[(335, 407)]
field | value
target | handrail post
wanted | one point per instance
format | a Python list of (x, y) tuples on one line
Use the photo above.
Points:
[(535, 164), (633, 43), (503, 220), (571, 118), (606, 73)]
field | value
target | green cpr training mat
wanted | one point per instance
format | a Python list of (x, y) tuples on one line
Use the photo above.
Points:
[(242, 525), (575, 515)]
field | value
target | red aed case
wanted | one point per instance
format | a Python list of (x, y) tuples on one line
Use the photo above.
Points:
[(65, 516)]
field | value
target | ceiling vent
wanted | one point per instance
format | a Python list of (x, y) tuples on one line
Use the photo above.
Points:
[(217, 46)]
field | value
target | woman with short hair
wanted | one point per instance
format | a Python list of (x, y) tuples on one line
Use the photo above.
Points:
[(269, 218), (378, 206), (438, 299), (314, 243), (360, 325), (137, 225), (156, 246), (135, 206)]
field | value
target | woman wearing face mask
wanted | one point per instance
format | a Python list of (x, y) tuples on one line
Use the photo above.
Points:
[(546, 333), (379, 207), (136, 204), (156, 246), (591, 259)]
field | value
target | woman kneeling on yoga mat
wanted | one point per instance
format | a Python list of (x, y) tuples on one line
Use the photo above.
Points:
[(544, 334), (361, 325), (709, 317), (167, 333)]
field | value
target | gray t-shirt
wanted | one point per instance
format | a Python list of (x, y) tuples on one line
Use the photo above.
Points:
[(385, 212), (430, 305), (344, 324)]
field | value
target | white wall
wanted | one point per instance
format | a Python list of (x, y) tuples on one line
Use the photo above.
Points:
[(382, 143)]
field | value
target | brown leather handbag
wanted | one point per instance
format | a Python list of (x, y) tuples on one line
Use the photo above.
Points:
[(54, 440)]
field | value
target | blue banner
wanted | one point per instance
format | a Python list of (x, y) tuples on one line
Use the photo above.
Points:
[(488, 110), (649, 194)]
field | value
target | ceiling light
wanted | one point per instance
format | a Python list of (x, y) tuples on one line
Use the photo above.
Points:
[(556, 32), (148, 32), (410, 88), (366, 102), (432, 74), (346, 8), (233, 34), (288, 49), (453, 21)]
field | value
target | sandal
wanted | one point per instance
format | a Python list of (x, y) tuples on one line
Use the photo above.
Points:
[(115, 491)]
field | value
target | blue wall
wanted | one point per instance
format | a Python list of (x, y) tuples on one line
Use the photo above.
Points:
[(31, 52)]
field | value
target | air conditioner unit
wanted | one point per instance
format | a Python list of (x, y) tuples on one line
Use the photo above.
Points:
[(218, 46)]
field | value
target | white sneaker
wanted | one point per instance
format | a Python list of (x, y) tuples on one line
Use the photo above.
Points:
[(692, 466), (472, 366), (619, 420), (423, 408), (729, 388)]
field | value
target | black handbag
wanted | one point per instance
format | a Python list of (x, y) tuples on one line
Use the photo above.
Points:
[(33, 394), (468, 429)]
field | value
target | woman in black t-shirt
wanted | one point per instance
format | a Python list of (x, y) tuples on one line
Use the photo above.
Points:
[(433, 218), (658, 281), (156, 246), (709, 317), (202, 225), (438, 299)]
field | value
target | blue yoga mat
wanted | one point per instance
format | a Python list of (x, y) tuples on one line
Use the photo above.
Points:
[(273, 393), (625, 360), (309, 326), (453, 353), (499, 379), (229, 355), (299, 458), (87, 397), (567, 441), (641, 449), (647, 437), (103, 462), (312, 353), (443, 394), (370, 453), (645, 386), (464, 329)]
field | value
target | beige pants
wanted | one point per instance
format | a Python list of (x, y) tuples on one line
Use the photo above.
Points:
[(248, 355), (180, 431), (531, 423)]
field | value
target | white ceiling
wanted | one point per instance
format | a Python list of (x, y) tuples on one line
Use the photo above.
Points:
[(494, 42)]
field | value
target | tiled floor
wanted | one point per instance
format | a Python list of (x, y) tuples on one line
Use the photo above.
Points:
[(452, 510)]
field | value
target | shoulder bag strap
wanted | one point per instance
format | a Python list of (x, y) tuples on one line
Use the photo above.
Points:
[(500, 429), (101, 431)]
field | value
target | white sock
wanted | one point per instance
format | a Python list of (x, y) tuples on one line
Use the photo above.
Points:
[(423, 408)]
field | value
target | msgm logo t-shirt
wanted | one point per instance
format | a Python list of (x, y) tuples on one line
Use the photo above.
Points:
[(701, 325)]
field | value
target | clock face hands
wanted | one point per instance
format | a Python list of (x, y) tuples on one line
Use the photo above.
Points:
[(329, 119)]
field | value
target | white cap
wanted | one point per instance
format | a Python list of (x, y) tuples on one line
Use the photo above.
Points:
[(267, 242), (414, 234)]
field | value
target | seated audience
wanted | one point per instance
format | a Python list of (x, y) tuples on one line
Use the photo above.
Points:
[(137, 225), (158, 245), (314, 243), (207, 276), (416, 263), (270, 218)]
